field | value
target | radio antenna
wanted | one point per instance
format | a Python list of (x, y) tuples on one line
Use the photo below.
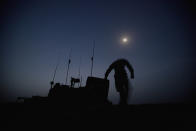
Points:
[(81, 81), (69, 61), (92, 58), (79, 68), (79, 71), (52, 82)]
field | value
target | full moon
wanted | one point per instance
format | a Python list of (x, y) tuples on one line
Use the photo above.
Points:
[(124, 40)]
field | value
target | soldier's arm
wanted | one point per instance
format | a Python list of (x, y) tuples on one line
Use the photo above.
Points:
[(130, 69), (109, 70)]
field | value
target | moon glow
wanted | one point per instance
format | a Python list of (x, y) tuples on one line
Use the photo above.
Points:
[(124, 41)]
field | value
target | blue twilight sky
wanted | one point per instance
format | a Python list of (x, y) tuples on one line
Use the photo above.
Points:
[(36, 34)]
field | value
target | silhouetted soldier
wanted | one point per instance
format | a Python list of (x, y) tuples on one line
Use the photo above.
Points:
[(121, 79)]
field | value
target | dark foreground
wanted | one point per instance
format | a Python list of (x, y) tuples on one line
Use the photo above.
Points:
[(45, 116)]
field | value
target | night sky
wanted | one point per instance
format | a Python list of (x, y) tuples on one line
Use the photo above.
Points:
[(36, 35)]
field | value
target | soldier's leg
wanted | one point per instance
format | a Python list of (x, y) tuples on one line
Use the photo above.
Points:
[(126, 87), (121, 97), (119, 85), (124, 93)]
